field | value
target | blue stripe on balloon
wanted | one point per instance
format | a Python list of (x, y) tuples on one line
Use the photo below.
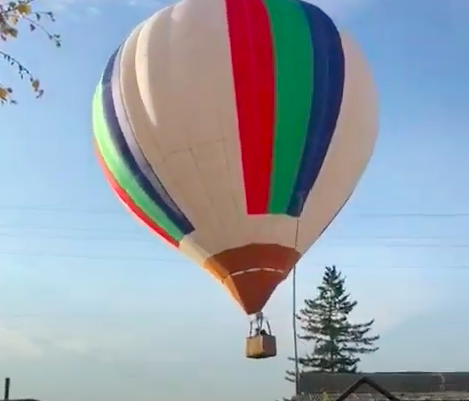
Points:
[(125, 143), (329, 75), (137, 153)]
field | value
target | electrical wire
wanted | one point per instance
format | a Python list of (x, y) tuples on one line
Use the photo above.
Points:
[(424, 215), (22, 253), (109, 234), (30, 226), (375, 242), (127, 258), (106, 211)]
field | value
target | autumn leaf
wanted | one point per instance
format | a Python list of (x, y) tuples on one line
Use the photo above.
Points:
[(3, 94), (35, 84), (14, 16), (24, 8)]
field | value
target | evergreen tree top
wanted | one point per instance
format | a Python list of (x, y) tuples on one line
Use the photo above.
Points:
[(325, 321)]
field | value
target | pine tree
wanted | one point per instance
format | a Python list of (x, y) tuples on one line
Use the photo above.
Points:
[(325, 320)]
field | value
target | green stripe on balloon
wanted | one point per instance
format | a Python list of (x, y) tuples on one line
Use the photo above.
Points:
[(293, 51), (122, 174)]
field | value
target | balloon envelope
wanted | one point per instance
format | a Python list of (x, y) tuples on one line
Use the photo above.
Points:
[(236, 130)]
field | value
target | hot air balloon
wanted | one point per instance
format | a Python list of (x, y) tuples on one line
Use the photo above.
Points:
[(236, 130)]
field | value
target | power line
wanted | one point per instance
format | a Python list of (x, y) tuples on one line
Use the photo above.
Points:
[(69, 228), (187, 261), (391, 242), (352, 242), (425, 215), (412, 246), (138, 235), (90, 257), (41, 236), (403, 267), (62, 209), (137, 231)]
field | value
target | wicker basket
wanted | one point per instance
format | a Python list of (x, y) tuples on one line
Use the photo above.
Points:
[(261, 346)]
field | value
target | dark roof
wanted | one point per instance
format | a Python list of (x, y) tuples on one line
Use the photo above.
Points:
[(440, 396), (395, 382), (21, 399)]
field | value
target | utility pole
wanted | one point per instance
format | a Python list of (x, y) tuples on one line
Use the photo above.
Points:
[(6, 396), (294, 319)]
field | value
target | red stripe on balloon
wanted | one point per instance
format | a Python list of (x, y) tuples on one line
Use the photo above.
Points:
[(130, 204), (253, 72)]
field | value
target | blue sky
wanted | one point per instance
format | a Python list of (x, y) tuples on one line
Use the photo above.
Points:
[(93, 307)]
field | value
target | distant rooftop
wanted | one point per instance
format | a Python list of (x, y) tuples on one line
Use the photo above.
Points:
[(405, 385), (372, 396), (21, 399)]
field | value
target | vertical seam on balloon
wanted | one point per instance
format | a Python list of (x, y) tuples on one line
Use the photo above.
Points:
[(118, 140), (168, 20), (106, 141), (255, 113), (207, 193), (190, 149), (161, 193), (325, 106), (229, 170), (136, 32)]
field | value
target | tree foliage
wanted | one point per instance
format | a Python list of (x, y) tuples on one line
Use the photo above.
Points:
[(15, 17), (325, 320)]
